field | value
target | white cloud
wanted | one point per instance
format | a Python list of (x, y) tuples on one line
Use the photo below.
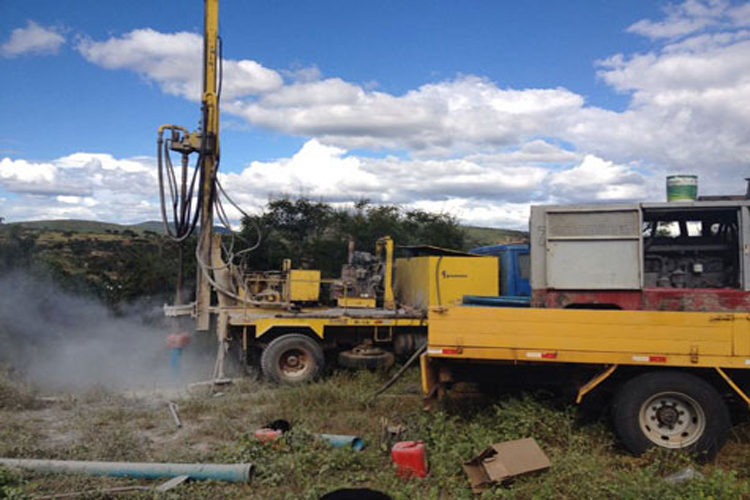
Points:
[(487, 189), (174, 61), (33, 39), (479, 212), (689, 107), (86, 201), (740, 15), (689, 110), (301, 73), (466, 145), (690, 17), (81, 185), (708, 63), (596, 179), (439, 118)]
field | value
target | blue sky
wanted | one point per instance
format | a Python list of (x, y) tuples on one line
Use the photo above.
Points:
[(476, 108)]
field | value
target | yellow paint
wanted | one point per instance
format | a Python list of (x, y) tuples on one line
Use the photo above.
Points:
[(734, 386), (265, 320), (210, 156), (430, 281), (429, 377), (304, 285), (587, 336), (355, 302), (742, 335), (385, 245), (594, 383), (263, 325)]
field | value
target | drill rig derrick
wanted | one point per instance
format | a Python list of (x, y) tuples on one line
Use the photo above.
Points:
[(187, 205)]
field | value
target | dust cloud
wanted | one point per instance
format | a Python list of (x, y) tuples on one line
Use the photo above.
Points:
[(62, 341)]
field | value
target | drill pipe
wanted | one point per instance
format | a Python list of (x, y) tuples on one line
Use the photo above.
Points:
[(235, 473)]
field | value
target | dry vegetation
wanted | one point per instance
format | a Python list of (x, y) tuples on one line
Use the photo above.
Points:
[(99, 425)]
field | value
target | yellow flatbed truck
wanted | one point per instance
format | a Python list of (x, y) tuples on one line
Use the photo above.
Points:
[(665, 373)]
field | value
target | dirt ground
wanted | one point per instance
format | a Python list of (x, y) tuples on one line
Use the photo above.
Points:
[(217, 427)]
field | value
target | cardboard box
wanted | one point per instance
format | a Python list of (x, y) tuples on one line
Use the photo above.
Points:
[(504, 461)]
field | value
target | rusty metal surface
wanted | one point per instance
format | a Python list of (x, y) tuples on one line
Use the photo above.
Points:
[(696, 299), (556, 299), (650, 299)]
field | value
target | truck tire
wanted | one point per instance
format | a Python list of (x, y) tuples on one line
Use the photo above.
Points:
[(372, 359), (673, 410), (292, 358)]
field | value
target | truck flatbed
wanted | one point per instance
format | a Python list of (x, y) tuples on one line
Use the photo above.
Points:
[(666, 375), (689, 339)]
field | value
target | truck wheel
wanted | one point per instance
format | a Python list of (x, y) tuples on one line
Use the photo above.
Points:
[(366, 357), (292, 359), (672, 410)]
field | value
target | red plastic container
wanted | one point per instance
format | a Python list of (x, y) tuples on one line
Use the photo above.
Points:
[(410, 458), (265, 435)]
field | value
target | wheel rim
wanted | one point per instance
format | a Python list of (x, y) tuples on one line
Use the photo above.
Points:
[(672, 420), (295, 363)]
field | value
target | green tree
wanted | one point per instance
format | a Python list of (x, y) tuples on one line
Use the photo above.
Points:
[(314, 234), (17, 247)]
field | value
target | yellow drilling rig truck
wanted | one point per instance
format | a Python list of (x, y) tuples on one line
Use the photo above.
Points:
[(279, 320), (644, 305)]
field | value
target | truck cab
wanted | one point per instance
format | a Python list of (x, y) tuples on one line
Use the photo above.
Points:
[(515, 267)]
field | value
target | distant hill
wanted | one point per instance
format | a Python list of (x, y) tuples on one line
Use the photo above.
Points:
[(475, 236), (117, 263), (481, 236), (156, 226), (76, 226), (90, 226)]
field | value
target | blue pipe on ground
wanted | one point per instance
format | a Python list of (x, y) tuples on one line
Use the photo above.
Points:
[(235, 473), (343, 441)]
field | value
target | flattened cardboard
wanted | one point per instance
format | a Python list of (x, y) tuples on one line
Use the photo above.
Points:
[(504, 461)]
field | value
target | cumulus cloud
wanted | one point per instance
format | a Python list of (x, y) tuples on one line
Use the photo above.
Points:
[(689, 110), (174, 61), (440, 118), (325, 171), (487, 189), (596, 179), (683, 19), (694, 16), (689, 107), (33, 39), (465, 144), (81, 185)]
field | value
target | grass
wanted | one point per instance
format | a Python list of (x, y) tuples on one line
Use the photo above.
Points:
[(15, 394), (587, 461)]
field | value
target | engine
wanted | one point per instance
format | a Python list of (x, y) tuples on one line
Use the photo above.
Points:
[(692, 250), (361, 277)]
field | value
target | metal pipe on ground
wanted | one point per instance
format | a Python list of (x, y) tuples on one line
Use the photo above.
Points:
[(235, 473), (343, 441)]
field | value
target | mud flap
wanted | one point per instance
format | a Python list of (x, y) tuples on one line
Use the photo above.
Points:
[(430, 384)]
